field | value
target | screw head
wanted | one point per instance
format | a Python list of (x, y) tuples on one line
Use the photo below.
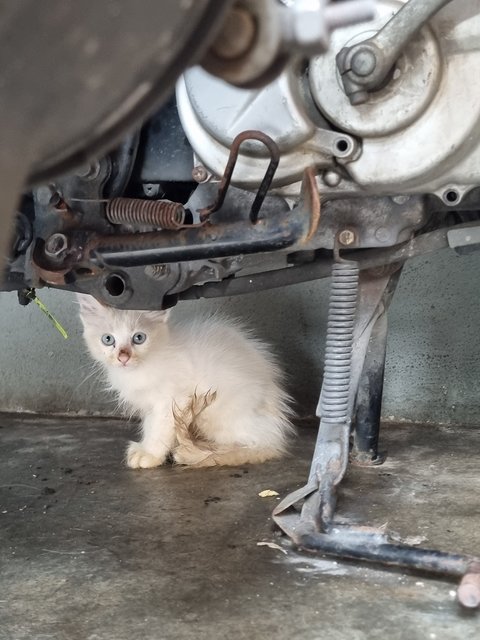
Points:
[(199, 174), (346, 237), (151, 189)]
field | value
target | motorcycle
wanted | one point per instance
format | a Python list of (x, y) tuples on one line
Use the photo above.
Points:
[(313, 139)]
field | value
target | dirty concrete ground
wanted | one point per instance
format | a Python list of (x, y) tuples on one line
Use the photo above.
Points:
[(91, 550)]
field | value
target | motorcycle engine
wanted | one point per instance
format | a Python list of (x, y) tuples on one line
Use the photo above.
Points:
[(365, 145), (417, 134)]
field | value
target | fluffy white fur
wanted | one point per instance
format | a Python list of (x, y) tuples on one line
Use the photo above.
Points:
[(207, 392)]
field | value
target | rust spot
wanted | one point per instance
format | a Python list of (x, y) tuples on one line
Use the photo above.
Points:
[(311, 199)]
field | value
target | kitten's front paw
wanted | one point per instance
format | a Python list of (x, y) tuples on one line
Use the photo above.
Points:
[(138, 458)]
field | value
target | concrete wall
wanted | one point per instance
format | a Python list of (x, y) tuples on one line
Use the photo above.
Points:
[(433, 368)]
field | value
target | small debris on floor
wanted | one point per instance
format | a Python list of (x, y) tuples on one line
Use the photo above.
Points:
[(268, 493), (272, 545)]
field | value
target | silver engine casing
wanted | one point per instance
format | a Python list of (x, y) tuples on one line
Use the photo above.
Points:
[(420, 134)]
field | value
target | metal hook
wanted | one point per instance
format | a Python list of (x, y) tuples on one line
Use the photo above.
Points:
[(230, 166)]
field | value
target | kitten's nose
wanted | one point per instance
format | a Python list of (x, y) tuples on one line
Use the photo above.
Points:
[(124, 356)]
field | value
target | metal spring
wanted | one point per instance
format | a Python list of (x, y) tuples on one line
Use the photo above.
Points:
[(156, 213), (334, 401)]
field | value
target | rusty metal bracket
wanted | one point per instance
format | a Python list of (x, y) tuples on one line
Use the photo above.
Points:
[(230, 166)]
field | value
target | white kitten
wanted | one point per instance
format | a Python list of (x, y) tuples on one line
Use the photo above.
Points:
[(206, 391)]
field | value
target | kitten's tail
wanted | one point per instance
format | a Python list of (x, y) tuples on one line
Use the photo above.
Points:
[(223, 456), (194, 450), (186, 429)]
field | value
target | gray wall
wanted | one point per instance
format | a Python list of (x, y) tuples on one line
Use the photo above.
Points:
[(433, 368)]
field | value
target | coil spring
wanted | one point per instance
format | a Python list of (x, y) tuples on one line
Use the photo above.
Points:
[(334, 401), (156, 213)]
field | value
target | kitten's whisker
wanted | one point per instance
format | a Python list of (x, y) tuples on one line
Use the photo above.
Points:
[(95, 370)]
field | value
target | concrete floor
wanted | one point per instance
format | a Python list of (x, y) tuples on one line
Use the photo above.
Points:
[(91, 550)]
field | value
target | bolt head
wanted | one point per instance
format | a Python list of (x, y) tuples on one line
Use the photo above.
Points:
[(331, 178), (382, 234), (400, 199), (310, 33), (363, 62), (56, 244), (346, 237), (237, 36), (89, 171), (199, 174)]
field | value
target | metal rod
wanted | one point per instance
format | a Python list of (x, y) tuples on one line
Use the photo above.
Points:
[(369, 397), (368, 403), (429, 560), (274, 151), (195, 242), (321, 268), (400, 29)]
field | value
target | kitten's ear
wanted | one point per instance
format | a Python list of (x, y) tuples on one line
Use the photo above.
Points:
[(89, 306), (161, 315)]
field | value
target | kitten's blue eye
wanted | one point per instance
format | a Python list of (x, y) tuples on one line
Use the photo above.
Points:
[(139, 338), (108, 340)]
